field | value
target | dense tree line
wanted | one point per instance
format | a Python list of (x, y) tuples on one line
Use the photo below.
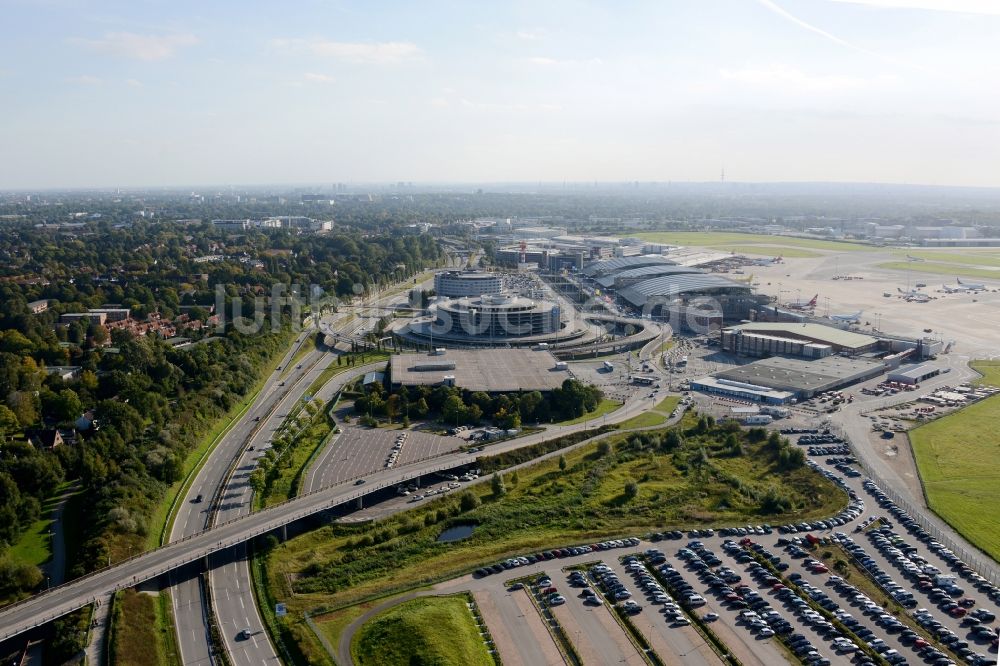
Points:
[(458, 406), (153, 402)]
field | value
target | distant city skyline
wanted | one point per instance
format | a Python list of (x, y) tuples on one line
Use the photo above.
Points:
[(182, 93)]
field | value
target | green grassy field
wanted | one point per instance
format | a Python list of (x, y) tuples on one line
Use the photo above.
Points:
[(657, 416), (699, 483), (769, 251), (990, 371), (952, 456), (947, 270), (333, 624), (605, 406), (428, 630), (971, 257), (143, 631), (34, 546), (644, 420), (719, 239)]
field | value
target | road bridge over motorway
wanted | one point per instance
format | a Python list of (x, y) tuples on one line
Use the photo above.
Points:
[(39, 609), (42, 608)]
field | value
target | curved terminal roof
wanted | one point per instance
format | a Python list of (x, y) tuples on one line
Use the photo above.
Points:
[(635, 274), (815, 332), (605, 266), (678, 285)]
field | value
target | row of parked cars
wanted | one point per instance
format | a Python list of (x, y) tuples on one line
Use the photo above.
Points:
[(932, 655), (807, 615), (914, 528), (514, 562), (830, 450), (656, 593), (979, 632)]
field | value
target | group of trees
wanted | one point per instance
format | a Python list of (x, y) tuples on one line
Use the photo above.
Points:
[(153, 402), (458, 406)]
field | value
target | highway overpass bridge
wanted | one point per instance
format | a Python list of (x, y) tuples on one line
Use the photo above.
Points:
[(35, 611)]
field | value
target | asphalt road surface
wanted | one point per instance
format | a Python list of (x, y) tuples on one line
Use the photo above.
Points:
[(192, 517), (232, 592)]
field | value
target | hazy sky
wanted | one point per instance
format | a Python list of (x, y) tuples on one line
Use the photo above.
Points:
[(149, 92)]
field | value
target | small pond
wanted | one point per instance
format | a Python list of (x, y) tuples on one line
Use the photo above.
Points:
[(456, 533)]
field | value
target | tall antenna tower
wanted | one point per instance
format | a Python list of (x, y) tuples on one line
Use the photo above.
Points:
[(722, 178)]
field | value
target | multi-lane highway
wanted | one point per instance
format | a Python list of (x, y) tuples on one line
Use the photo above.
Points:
[(232, 594), (193, 514)]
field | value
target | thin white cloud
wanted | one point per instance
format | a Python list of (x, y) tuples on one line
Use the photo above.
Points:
[(85, 80), (133, 83), (314, 77), (379, 53), (528, 35), (988, 7), (139, 47), (785, 78)]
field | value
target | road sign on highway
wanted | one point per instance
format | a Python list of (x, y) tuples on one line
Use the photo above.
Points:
[(280, 610)]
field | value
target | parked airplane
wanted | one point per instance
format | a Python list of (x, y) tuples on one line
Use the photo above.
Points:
[(803, 305), (971, 285), (954, 290), (850, 318), (909, 292), (909, 258)]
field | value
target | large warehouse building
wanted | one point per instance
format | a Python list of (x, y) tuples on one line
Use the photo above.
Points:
[(488, 370), (914, 374), (455, 284), (795, 339), (800, 377)]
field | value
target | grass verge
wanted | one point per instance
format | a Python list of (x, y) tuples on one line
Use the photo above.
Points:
[(644, 420), (295, 640), (770, 251), (142, 630), (605, 406), (950, 270), (162, 520), (308, 345), (967, 256), (312, 439), (331, 371), (642, 646), (656, 416), (426, 630), (952, 455)]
